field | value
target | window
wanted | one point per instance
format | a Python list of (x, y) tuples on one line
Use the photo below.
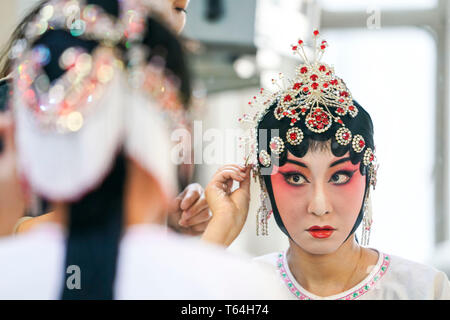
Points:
[(391, 73)]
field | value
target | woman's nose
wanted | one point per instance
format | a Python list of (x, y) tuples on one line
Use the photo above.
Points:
[(319, 204)]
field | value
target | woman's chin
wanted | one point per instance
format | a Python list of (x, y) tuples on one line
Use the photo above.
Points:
[(318, 246)]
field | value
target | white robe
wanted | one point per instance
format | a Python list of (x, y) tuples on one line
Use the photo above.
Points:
[(392, 278), (152, 264)]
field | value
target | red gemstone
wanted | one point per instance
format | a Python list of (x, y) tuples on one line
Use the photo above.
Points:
[(322, 47), (346, 136), (285, 113), (293, 136), (303, 110), (304, 70), (293, 120), (313, 77), (344, 94), (361, 143), (305, 89), (334, 82), (322, 68), (315, 85), (297, 86), (293, 112), (325, 85), (352, 108), (316, 32), (287, 98), (300, 42), (294, 48), (371, 158), (279, 110), (341, 100), (340, 110), (340, 121)]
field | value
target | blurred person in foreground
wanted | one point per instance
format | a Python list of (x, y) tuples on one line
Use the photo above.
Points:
[(188, 211)]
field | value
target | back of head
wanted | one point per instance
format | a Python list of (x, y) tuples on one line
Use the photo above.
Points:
[(87, 96)]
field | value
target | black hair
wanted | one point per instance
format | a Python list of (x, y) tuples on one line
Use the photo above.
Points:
[(159, 41), (95, 226), (269, 124), (361, 124)]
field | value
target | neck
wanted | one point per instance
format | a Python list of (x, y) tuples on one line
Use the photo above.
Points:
[(144, 201), (332, 273)]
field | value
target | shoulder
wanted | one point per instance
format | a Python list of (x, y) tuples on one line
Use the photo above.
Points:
[(186, 268), (416, 280), (35, 260), (270, 259)]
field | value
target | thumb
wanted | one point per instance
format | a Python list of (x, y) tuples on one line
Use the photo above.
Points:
[(245, 184), (242, 194)]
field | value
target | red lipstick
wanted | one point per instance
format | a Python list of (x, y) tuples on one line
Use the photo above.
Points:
[(321, 232)]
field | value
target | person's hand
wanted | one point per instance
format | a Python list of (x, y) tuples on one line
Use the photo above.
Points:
[(12, 199), (188, 212), (229, 209)]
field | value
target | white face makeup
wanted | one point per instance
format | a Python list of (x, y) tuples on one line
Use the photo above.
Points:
[(318, 198)]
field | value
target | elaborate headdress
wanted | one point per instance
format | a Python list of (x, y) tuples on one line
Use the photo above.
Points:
[(86, 83), (314, 105)]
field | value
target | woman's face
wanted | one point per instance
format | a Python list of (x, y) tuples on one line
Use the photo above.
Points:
[(319, 198), (172, 11)]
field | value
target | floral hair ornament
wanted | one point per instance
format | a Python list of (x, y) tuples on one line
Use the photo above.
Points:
[(315, 98)]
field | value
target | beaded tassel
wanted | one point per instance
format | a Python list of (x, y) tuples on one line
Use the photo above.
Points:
[(367, 221), (263, 212)]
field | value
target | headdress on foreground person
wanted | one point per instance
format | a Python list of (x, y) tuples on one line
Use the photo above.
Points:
[(315, 105), (95, 81), (70, 82)]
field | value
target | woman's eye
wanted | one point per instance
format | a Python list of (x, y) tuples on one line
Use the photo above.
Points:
[(295, 179), (180, 10), (341, 177)]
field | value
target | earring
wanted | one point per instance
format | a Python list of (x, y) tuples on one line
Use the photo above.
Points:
[(263, 212), (367, 221)]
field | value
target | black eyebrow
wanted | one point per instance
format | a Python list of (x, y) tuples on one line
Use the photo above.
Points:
[(340, 161), (301, 164), (331, 165)]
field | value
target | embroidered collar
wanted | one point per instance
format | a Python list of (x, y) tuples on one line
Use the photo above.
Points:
[(378, 271)]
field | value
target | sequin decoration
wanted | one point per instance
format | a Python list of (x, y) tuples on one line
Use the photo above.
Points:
[(264, 158), (276, 145), (358, 143), (369, 157), (294, 136), (343, 136)]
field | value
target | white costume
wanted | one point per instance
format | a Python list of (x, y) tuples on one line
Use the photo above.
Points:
[(152, 264), (392, 278)]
